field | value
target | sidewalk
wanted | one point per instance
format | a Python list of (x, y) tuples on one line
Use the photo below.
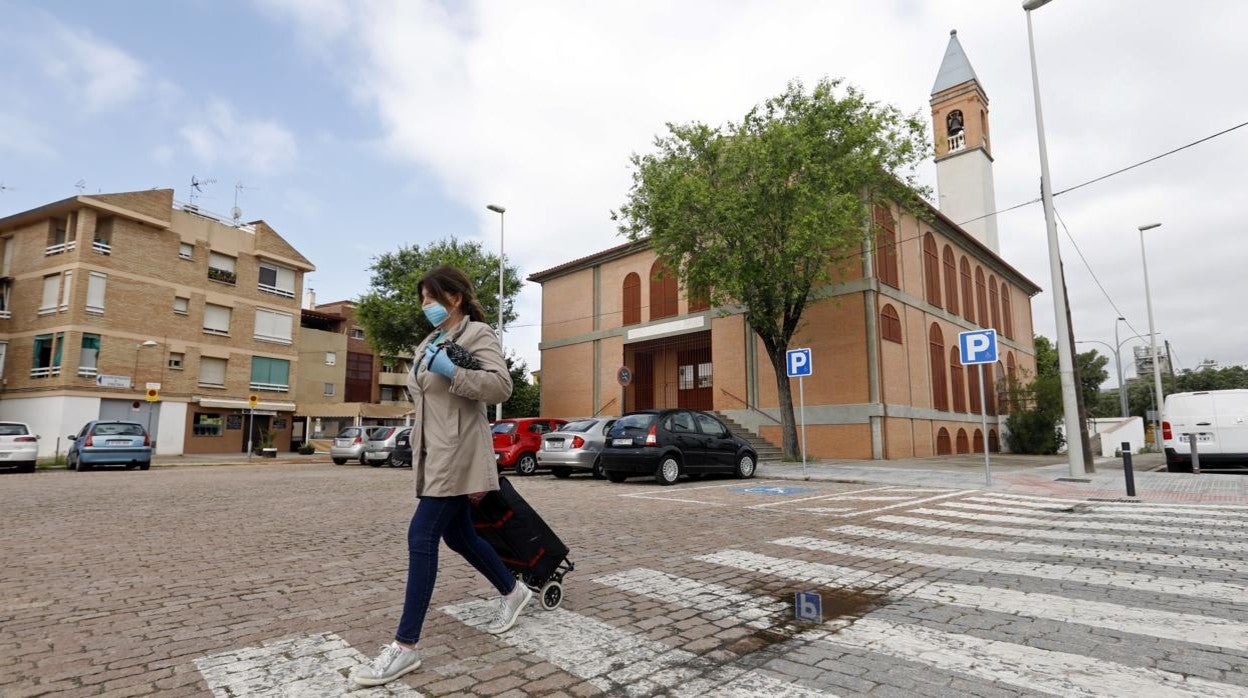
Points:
[(237, 459), (1035, 475)]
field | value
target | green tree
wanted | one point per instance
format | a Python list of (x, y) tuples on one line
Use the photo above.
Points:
[(390, 311), (525, 400), (1033, 425), (763, 212), (1141, 394)]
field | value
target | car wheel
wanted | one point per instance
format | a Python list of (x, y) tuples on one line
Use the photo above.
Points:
[(145, 466), (668, 471), (616, 477), (561, 473), (596, 471), (526, 464), (363, 460), (69, 463), (396, 461), (82, 467), (745, 466), (339, 461), (374, 463), (26, 467)]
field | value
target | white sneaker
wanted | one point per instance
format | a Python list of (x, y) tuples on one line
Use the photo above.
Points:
[(393, 662), (509, 608)]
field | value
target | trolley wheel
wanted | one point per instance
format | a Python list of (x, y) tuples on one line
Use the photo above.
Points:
[(552, 595)]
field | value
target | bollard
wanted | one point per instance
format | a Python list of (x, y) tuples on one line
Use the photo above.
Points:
[(1191, 439), (1126, 468)]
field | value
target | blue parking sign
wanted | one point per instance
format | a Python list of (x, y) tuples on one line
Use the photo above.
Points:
[(797, 362), (978, 347), (808, 606)]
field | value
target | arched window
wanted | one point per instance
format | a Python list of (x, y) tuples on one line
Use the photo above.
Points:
[(1011, 378), (697, 304), (1007, 316), (944, 446), (968, 300), (936, 357), (632, 299), (1010, 367), (977, 443), (951, 281), (994, 444), (981, 297), (890, 324), (663, 291), (957, 380), (886, 248), (990, 389), (964, 445), (931, 269), (953, 123), (998, 387), (994, 303), (972, 389)]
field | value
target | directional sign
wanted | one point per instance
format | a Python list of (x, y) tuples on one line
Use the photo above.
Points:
[(978, 347), (798, 363)]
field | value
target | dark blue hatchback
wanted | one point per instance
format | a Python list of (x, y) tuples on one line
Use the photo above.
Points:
[(110, 443), (669, 443)]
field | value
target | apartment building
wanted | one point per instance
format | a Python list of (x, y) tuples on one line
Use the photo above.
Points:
[(107, 295)]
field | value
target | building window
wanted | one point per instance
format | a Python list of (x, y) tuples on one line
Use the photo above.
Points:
[(951, 281), (186, 250), (990, 388), (957, 380), (699, 303), (890, 324), (963, 444), (212, 372), (208, 424), (96, 284), (221, 268), (981, 297), (955, 133), (663, 291), (357, 333), (972, 389), (1011, 371), (67, 284), (88, 357), (968, 300), (272, 326), (216, 319), (931, 270), (886, 248), (176, 360), (51, 291), (1007, 314), (391, 393), (632, 299), (4, 350), (359, 379), (278, 280), (943, 445), (994, 444), (330, 358), (47, 355), (977, 443), (181, 305), (936, 357), (270, 374), (6, 288), (705, 375), (329, 390), (994, 302)]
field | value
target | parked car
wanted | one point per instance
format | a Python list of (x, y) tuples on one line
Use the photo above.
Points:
[(1218, 418), (381, 444), (350, 444), (402, 453), (517, 441), (666, 444), (110, 443), (575, 446), (18, 447)]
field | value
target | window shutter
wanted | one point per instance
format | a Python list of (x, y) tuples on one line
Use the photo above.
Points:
[(66, 289), (220, 261), (50, 287), (217, 318), (212, 371), (286, 279), (273, 326), (95, 292)]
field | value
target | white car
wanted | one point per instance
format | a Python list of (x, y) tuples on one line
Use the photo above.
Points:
[(18, 447), (1218, 419)]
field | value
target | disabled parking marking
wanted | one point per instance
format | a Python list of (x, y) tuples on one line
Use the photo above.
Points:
[(835, 495), (781, 490)]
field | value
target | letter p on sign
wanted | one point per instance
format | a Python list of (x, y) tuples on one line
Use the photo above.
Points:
[(978, 347), (797, 362)]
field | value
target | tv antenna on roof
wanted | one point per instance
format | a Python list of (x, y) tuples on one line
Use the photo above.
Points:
[(197, 187), (237, 213), (80, 185), (4, 188)]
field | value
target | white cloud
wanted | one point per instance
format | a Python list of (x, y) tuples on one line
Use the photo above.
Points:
[(219, 135), (20, 136), (104, 75)]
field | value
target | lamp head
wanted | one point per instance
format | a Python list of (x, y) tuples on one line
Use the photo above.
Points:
[(149, 343), (496, 208), (1030, 5), (1149, 226)]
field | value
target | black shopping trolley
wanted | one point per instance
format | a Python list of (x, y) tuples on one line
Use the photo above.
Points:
[(528, 547)]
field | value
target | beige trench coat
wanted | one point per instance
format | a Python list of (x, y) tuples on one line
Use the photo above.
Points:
[(452, 446)]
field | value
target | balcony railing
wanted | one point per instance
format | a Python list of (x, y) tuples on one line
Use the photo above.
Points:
[(957, 141), (5, 314), (274, 387), (59, 248), (45, 372), (88, 371), (101, 247), (222, 275), (277, 291), (393, 378)]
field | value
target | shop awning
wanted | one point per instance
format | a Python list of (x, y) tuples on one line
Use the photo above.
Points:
[(351, 410), (223, 404)]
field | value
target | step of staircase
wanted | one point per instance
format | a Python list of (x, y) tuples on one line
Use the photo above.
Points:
[(766, 450)]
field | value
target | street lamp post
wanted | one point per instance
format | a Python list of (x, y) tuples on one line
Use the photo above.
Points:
[(138, 348), (1070, 409), (1148, 299), (501, 211), (1122, 389)]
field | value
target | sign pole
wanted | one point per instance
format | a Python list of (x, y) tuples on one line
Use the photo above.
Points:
[(983, 413), (251, 422), (801, 392)]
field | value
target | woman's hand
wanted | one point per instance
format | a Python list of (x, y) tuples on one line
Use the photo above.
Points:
[(437, 361)]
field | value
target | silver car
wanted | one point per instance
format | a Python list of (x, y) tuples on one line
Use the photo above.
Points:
[(350, 444), (383, 442), (575, 447)]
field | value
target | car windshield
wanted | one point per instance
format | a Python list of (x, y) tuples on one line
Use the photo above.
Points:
[(582, 426), (631, 423), (381, 434), (349, 433), (504, 427), (118, 430), (13, 430)]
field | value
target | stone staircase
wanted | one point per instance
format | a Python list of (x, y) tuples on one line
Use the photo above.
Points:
[(765, 449)]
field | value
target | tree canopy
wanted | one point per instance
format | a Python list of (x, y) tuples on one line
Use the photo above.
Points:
[(1037, 412)]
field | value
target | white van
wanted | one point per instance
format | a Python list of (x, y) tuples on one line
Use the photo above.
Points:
[(1218, 418)]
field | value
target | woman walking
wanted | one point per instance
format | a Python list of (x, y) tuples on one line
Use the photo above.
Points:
[(452, 456)]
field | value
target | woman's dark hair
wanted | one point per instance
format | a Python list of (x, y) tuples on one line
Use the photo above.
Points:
[(446, 281)]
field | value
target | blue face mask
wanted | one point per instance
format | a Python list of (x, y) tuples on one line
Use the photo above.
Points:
[(436, 314)]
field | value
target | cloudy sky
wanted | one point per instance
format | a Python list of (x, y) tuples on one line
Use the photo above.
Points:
[(357, 127)]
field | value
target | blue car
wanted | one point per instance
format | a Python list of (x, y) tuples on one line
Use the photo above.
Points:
[(110, 443)]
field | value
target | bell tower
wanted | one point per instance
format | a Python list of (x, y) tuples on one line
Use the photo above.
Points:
[(963, 147)]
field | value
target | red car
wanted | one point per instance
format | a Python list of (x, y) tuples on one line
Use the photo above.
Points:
[(516, 441)]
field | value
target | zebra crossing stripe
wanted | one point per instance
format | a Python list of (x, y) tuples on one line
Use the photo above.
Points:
[(1060, 673), (825, 510), (811, 572), (1174, 531), (912, 502), (1183, 627), (1230, 593), (1218, 519), (1026, 508), (743, 683), (1231, 509), (715, 600), (1215, 546)]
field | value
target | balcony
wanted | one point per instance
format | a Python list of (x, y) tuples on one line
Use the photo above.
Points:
[(60, 247), (101, 247), (395, 378), (957, 141), (88, 372), (276, 291), (272, 387), (45, 372), (222, 275), (6, 314)]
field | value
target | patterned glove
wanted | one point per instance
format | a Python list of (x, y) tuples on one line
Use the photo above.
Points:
[(437, 361)]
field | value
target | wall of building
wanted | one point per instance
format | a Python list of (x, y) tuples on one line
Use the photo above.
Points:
[(314, 373), (51, 417)]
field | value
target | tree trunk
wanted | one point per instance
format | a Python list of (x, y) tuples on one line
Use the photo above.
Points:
[(788, 425)]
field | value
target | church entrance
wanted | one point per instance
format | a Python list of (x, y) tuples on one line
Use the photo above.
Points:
[(671, 372)]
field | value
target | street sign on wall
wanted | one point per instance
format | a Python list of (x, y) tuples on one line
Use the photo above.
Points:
[(106, 381)]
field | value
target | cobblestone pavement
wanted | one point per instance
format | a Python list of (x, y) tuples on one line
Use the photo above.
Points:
[(277, 579)]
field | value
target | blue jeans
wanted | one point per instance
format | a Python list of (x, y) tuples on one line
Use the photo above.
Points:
[(449, 519)]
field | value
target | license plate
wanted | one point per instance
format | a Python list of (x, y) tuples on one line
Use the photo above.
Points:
[(1204, 438), (554, 445), (115, 442), (621, 442), (4, 455)]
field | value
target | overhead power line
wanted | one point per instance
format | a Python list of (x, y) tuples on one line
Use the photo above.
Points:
[(1088, 266)]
